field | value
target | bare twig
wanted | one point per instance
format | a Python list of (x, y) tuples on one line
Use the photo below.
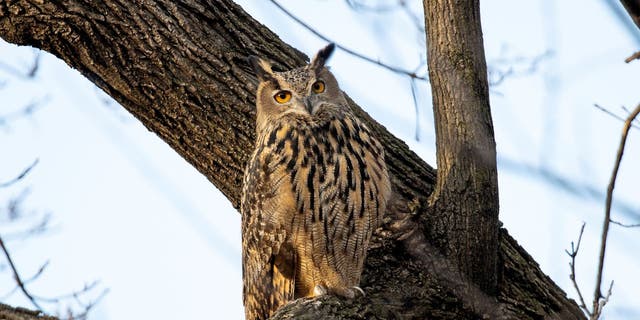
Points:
[(89, 306), (572, 264), (414, 95), (635, 56), (27, 74), (21, 284), (362, 6), (347, 50), (86, 288), (531, 65), (25, 282), (20, 176), (25, 111), (9, 294), (16, 276), (400, 4), (40, 227), (605, 110), (417, 21), (38, 273), (598, 301), (625, 225)]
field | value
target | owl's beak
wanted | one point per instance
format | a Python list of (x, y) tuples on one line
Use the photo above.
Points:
[(308, 104)]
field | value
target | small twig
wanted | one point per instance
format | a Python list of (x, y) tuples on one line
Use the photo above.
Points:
[(75, 294), (20, 176), (635, 56), (625, 225), (25, 282), (597, 295), (38, 273), (9, 294), (25, 111), (89, 306), (497, 76), (347, 50), (400, 4), (414, 95), (603, 109), (357, 5), (572, 264), (16, 276), (634, 122), (28, 74), (41, 227)]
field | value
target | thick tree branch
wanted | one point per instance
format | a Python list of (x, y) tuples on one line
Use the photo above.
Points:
[(179, 67), (10, 313), (633, 9)]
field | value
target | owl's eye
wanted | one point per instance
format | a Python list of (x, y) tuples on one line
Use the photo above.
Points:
[(282, 96), (318, 86)]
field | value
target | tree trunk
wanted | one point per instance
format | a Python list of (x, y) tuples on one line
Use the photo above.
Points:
[(464, 204), (179, 67)]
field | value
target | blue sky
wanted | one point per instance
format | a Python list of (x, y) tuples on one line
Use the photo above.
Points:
[(127, 210)]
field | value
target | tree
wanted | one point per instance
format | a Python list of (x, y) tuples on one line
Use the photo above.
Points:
[(180, 68)]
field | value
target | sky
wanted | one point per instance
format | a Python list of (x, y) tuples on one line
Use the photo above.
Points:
[(126, 210)]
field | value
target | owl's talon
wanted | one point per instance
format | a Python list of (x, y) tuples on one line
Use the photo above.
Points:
[(319, 290), (356, 288)]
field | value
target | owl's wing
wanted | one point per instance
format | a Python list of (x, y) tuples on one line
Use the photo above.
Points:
[(352, 195), (268, 261)]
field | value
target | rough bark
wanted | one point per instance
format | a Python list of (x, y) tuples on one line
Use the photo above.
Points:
[(10, 313), (464, 204), (633, 9), (179, 68)]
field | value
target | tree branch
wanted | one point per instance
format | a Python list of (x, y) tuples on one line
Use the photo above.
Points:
[(597, 295), (634, 56), (358, 55), (572, 265), (20, 176), (16, 276), (633, 9)]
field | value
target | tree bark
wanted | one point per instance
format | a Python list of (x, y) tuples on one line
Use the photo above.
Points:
[(10, 313), (464, 204), (179, 67)]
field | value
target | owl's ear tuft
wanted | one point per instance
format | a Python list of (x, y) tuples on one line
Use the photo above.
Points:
[(318, 62), (261, 67)]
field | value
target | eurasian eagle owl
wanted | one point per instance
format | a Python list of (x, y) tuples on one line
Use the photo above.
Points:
[(314, 190)]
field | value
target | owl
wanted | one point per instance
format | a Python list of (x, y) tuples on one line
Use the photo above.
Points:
[(315, 188)]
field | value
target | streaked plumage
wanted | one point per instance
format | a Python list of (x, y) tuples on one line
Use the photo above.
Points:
[(314, 190)]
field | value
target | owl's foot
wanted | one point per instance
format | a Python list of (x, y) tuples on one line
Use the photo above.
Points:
[(359, 290), (349, 293), (319, 290)]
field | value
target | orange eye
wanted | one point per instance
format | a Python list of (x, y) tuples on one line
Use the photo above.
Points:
[(282, 96), (318, 86)]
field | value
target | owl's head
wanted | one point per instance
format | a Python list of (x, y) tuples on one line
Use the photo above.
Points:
[(301, 90)]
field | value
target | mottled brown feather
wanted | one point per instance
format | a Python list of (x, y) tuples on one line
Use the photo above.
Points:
[(315, 188)]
